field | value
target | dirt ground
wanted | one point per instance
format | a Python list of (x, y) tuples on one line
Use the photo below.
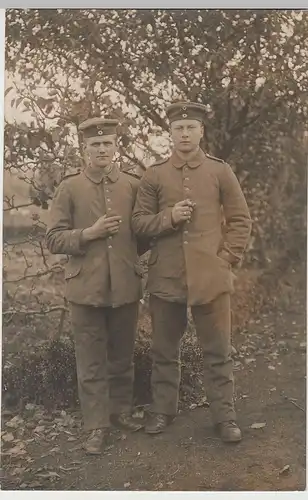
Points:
[(43, 451)]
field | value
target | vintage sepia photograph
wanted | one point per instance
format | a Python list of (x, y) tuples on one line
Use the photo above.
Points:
[(154, 250)]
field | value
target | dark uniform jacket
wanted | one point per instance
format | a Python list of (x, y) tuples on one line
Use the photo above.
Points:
[(192, 262), (103, 272)]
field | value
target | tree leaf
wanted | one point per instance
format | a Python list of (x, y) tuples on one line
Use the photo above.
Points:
[(17, 450), (18, 470), (8, 90), (15, 422), (258, 425), (285, 470), (18, 101), (39, 428), (49, 108), (8, 437), (48, 475)]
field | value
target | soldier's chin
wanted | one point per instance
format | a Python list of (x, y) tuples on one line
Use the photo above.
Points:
[(102, 162), (185, 147)]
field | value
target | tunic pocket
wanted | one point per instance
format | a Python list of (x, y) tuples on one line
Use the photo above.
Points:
[(138, 270), (72, 268), (153, 256), (224, 263)]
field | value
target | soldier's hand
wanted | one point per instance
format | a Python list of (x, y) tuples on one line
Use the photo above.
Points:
[(103, 227), (182, 211)]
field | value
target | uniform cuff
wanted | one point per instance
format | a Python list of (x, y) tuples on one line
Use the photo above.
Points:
[(167, 224), (76, 242), (228, 257)]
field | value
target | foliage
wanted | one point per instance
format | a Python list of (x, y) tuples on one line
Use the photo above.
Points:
[(249, 67)]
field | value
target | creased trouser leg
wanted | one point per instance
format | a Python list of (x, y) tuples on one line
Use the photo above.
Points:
[(90, 334), (213, 326), (122, 327), (168, 324)]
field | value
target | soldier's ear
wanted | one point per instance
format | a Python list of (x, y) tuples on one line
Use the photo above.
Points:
[(86, 145)]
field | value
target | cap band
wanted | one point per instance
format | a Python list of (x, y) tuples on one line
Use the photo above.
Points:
[(96, 127), (186, 111)]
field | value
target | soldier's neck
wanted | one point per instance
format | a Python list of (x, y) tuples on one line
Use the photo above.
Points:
[(187, 156), (102, 170)]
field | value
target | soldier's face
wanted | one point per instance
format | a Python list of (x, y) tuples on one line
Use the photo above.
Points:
[(101, 150), (186, 134)]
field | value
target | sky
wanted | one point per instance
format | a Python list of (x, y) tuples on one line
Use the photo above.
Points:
[(13, 113)]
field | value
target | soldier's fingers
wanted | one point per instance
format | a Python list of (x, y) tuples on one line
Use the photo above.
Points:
[(112, 221), (182, 203), (112, 226), (183, 210), (184, 217), (114, 230), (113, 218), (187, 212), (100, 219), (188, 203)]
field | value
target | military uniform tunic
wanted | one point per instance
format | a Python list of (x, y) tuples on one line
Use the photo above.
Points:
[(192, 262), (103, 272)]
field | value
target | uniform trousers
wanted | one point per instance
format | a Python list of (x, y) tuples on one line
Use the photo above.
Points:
[(213, 328), (104, 346)]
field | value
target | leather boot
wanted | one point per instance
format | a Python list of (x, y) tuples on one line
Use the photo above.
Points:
[(95, 442), (229, 432), (126, 422), (157, 422)]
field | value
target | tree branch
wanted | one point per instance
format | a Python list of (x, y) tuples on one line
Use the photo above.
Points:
[(17, 207), (37, 275), (13, 312)]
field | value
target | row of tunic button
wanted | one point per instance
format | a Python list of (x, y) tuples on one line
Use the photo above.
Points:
[(187, 189), (108, 200)]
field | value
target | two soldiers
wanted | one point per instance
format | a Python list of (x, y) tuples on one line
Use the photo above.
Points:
[(96, 218)]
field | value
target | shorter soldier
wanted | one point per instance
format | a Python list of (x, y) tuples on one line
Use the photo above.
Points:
[(90, 221)]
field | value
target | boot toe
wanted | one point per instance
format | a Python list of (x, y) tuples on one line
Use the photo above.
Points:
[(127, 422), (156, 423), (230, 432), (95, 442)]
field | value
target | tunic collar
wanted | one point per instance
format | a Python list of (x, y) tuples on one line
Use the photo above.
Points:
[(98, 174), (194, 162)]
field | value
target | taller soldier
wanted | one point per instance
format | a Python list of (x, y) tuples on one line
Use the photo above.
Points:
[(90, 221), (178, 205)]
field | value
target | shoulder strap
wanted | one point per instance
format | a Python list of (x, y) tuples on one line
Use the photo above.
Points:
[(72, 174), (159, 162), (214, 158), (128, 172)]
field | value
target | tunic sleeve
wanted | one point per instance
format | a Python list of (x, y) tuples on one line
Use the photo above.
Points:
[(238, 221), (147, 219), (61, 237)]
